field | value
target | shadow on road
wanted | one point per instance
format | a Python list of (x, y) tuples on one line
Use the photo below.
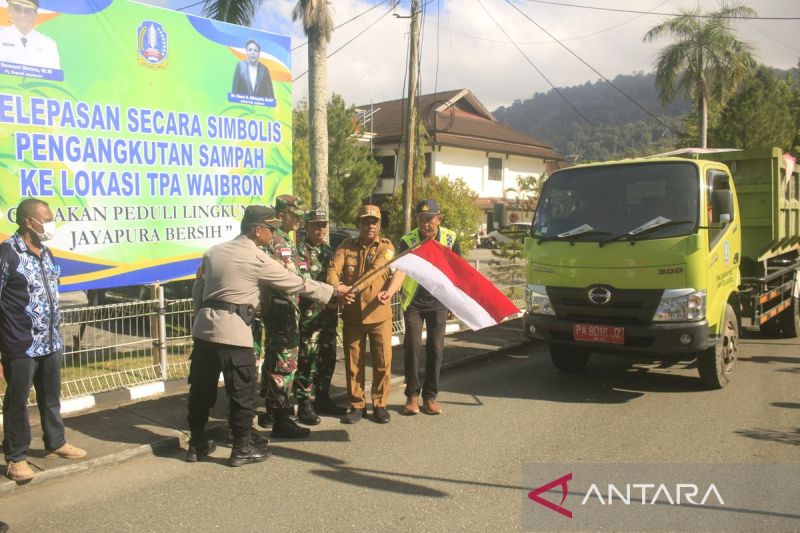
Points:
[(606, 380), (772, 435), (338, 470)]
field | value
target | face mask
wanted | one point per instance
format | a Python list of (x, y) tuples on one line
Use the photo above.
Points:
[(48, 231)]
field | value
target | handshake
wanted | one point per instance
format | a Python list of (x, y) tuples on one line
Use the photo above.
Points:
[(344, 294)]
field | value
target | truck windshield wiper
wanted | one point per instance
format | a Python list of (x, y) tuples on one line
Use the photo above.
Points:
[(581, 231), (647, 227)]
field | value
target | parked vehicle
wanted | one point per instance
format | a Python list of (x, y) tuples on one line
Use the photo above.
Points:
[(666, 257), (516, 231)]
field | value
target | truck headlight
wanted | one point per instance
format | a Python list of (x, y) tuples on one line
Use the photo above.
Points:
[(681, 305), (538, 301)]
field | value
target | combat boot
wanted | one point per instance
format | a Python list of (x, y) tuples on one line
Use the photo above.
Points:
[(243, 452), (265, 420), (196, 452), (323, 404), (306, 414), (286, 428)]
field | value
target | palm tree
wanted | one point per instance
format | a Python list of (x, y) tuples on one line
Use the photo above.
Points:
[(318, 25), (706, 60), (239, 12)]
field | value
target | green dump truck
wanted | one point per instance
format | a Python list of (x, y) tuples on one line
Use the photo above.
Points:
[(668, 257)]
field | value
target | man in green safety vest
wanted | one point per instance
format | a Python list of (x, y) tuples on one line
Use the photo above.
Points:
[(420, 306)]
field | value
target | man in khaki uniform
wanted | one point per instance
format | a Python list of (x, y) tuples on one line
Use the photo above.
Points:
[(225, 296), (366, 316)]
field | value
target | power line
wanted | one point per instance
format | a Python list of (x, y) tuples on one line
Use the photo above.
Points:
[(347, 21), (660, 14), (579, 58), (556, 89), (767, 35), (190, 5), (359, 34), (574, 38)]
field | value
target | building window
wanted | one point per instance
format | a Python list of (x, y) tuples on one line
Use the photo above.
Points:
[(387, 164), (428, 165), (496, 168)]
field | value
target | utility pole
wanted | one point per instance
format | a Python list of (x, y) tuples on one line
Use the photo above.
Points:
[(411, 116)]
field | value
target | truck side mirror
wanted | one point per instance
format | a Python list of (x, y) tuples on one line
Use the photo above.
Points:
[(722, 204)]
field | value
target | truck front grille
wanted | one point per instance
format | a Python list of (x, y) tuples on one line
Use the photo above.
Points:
[(626, 306)]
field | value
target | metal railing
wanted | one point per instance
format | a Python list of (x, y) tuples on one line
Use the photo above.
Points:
[(111, 347)]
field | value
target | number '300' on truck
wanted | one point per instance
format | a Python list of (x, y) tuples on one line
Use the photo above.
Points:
[(667, 257)]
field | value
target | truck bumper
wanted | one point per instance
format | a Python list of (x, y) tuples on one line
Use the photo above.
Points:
[(653, 338)]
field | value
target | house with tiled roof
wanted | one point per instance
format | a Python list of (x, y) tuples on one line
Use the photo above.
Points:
[(465, 141)]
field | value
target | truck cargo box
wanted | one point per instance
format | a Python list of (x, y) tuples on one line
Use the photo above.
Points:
[(768, 189)]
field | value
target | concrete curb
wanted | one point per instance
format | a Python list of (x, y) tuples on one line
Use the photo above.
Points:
[(167, 443)]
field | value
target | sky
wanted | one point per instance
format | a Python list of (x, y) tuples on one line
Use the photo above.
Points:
[(465, 45)]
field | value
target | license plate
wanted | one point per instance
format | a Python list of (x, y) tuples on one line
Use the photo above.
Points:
[(594, 333)]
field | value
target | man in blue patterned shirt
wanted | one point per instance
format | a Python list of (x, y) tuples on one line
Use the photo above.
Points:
[(30, 340)]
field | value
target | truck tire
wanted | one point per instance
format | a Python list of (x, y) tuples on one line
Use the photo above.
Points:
[(716, 364), (569, 359), (789, 320)]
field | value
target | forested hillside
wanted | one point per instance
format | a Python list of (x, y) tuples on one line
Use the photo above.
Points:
[(616, 127)]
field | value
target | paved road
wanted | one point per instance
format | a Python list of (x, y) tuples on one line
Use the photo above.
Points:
[(460, 471)]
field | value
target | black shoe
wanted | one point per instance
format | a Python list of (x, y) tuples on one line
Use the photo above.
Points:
[(381, 415), (286, 428), (266, 420), (306, 414), (324, 405), (248, 454), (195, 453), (258, 441), (354, 415), (255, 439)]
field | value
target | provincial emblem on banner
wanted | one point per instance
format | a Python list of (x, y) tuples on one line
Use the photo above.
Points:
[(151, 43)]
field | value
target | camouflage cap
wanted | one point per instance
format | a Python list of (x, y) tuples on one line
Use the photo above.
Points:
[(316, 215), (289, 204), (369, 211)]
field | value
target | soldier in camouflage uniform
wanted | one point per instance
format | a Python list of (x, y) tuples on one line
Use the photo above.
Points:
[(280, 313), (317, 357)]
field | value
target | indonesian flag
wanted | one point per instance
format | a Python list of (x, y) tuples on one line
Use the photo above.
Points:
[(453, 281)]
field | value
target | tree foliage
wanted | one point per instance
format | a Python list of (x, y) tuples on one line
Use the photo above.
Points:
[(460, 212), (618, 129), (351, 169), (759, 115), (240, 12), (705, 61)]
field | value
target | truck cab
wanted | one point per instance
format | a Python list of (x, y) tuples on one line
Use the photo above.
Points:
[(638, 256)]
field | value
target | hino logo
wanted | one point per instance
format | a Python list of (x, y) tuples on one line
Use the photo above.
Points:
[(599, 295)]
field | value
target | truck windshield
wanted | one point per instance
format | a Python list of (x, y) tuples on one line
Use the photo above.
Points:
[(616, 199)]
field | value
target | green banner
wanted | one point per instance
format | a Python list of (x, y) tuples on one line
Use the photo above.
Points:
[(148, 132)]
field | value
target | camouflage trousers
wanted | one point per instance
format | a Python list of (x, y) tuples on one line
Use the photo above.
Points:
[(281, 347), (317, 355)]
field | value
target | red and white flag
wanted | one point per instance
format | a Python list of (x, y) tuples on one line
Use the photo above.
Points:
[(453, 281)]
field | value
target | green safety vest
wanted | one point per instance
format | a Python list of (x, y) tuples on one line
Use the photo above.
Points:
[(446, 238)]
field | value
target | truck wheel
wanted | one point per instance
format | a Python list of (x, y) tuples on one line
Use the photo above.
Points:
[(789, 320), (716, 363), (569, 359)]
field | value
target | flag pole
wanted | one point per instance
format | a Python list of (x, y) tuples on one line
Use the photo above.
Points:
[(371, 273)]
